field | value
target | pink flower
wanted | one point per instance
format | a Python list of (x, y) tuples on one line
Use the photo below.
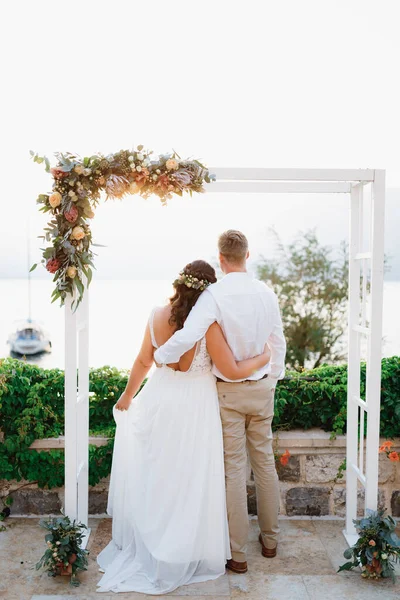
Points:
[(52, 265), (58, 173), (372, 543), (72, 214), (163, 182), (141, 178)]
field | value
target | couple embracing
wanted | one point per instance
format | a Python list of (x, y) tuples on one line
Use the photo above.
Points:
[(178, 481)]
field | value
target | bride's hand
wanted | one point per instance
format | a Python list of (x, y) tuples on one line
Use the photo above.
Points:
[(124, 402)]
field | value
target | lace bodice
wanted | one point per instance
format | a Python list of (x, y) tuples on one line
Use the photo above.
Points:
[(201, 362)]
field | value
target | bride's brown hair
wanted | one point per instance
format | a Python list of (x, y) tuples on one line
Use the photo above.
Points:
[(186, 297)]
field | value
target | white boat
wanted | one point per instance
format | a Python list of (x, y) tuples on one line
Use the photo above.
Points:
[(29, 338)]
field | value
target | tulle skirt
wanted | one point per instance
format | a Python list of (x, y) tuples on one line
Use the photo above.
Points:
[(167, 488)]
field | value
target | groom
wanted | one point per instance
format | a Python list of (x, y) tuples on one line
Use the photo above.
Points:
[(248, 312)]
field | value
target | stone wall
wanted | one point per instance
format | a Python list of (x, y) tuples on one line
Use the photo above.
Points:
[(307, 484)]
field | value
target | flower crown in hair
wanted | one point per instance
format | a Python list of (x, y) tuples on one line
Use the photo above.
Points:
[(191, 282)]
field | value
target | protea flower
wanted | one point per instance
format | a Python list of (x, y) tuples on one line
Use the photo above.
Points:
[(182, 178), (52, 265), (116, 186), (72, 214)]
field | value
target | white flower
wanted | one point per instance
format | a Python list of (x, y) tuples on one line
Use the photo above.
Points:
[(58, 543), (155, 177), (87, 172), (54, 553), (158, 171), (130, 158), (139, 156), (133, 168), (384, 556), (138, 168), (71, 193)]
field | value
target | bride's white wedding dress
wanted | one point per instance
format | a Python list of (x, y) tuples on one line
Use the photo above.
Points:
[(167, 487)]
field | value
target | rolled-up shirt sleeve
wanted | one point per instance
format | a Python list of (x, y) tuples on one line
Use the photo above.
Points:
[(277, 344), (202, 315)]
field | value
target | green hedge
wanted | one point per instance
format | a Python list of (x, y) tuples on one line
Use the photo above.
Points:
[(32, 406)]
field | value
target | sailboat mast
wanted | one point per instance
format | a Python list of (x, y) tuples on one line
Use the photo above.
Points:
[(29, 273)]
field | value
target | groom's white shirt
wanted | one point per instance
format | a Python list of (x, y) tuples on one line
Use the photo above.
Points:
[(248, 313)]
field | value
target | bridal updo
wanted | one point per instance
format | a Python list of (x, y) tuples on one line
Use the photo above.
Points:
[(191, 283)]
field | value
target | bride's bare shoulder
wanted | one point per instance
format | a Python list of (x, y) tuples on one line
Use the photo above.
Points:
[(163, 312)]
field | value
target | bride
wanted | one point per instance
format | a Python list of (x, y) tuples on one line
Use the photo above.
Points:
[(167, 488)]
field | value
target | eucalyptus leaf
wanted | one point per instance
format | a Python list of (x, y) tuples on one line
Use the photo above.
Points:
[(348, 553), (346, 567)]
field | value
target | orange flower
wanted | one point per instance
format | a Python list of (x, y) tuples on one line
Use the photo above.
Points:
[(385, 446), (284, 459), (393, 456), (372, 543)]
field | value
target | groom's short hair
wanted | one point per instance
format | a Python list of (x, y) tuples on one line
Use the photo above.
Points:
[(233, 245)]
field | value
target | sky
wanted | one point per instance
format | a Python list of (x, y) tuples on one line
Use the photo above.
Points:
[(268, 84)]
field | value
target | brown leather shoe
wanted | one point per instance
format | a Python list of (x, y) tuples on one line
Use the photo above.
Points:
[(267, 552), (235, 566)]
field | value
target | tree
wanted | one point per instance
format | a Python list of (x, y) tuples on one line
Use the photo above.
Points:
[(312, 289)]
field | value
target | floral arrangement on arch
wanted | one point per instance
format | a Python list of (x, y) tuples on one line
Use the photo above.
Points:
[(77, 187)]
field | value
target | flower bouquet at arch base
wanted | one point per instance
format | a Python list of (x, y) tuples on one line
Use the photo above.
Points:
[(64, 555), (377, 548)]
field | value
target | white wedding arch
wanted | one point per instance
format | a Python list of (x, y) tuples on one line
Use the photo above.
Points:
[(366, 262)]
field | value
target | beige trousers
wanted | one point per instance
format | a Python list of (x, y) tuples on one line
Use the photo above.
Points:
[(247, 410)]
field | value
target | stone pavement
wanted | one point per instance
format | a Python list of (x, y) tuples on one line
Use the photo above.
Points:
[(309, 554)]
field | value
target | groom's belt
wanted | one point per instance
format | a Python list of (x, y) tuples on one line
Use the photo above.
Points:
[(219, 380)]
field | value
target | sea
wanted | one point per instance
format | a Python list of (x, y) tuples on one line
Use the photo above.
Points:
[(119, 310)]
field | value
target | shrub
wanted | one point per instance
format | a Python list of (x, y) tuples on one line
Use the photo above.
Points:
[(32, 406)]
